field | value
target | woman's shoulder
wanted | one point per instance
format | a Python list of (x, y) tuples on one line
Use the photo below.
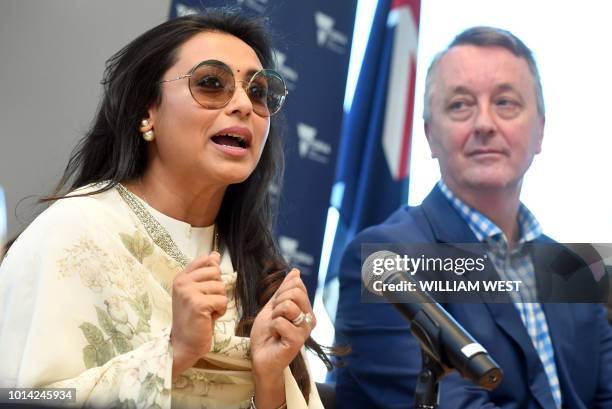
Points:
[(84, 210), (81, 205)]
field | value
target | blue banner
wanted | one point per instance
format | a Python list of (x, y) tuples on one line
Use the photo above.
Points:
[(313, 57), (373, 160)]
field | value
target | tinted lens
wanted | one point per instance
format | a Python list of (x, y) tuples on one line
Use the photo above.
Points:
[(266, 91), (212, 84)]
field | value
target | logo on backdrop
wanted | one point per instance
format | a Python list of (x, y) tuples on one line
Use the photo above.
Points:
[(183, 10), (310, 147), (257, 5), (327, 36), (289, 74), (289, 247)]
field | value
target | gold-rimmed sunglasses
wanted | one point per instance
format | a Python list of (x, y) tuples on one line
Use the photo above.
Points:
[(212, 85)]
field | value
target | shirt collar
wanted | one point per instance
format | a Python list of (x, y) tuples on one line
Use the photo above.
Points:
[(484, 229)]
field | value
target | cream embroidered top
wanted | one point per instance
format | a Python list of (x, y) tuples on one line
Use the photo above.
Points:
[(85, 303)]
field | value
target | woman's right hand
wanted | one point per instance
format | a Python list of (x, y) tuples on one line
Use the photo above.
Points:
[(198, 299)]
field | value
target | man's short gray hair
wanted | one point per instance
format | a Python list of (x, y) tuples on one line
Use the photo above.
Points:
[(486, 37)]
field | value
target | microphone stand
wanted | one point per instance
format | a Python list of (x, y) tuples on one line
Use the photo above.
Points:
[(427, 389)]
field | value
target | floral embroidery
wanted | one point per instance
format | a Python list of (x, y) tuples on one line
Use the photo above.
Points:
[(98, 270), (114, 333), (89, 260), (115, 323), (137, 244)]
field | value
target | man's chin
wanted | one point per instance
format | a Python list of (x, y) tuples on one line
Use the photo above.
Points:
[(493, 184)]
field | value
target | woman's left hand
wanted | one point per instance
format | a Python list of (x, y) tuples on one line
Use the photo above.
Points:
[(275, 339)]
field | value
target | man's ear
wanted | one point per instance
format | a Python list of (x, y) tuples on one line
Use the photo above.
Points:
[(432, 145)]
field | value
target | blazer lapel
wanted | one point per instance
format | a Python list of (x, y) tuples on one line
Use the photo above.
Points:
[(446, 224)]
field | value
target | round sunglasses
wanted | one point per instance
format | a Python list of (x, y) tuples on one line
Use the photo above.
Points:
[(212, 85)]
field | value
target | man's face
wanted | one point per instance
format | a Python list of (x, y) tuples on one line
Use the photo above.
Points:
[(484, 126)]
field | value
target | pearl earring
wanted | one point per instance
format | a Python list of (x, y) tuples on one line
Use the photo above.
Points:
[(148, 135)]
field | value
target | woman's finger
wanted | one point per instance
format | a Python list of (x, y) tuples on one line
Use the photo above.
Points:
[(206, 274), (212, 259), (293, 336), (299, 298), (297, 295), (184, 282), (294, 282), (287, 309), (213, 304), (289, 281), (211, 287)]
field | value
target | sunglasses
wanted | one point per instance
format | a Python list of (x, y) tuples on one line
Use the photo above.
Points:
[(212, 85)]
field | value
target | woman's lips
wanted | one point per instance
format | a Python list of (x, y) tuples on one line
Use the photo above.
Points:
[(237, 132), (233, 141), (235, 151)]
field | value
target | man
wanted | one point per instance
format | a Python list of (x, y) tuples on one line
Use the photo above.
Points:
[(484, 121)]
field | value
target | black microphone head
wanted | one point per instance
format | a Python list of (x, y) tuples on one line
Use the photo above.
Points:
[(485, 371), (373, 269)]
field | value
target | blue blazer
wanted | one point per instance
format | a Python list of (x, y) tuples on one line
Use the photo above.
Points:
[(381, 370)]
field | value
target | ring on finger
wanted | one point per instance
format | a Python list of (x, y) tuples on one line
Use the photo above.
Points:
[(299, 319), (309, 320), (303, 317)]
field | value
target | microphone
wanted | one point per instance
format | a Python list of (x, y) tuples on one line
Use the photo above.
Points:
[(439, 334)]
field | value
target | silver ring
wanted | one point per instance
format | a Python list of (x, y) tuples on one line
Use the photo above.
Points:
[(309, 319), (300, 318)]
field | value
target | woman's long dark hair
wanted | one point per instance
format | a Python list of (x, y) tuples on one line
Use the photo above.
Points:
[(113, 151)]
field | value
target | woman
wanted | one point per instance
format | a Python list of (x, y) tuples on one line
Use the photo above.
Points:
[(156, 279)]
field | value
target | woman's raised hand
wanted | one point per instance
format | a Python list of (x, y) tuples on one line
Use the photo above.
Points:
[(280, 330), (198, 299)]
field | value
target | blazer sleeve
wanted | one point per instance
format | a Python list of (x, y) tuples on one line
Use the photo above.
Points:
[(459, 393), (381, 369)]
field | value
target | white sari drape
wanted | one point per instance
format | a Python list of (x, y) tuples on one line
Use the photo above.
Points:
[(85, 303)]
